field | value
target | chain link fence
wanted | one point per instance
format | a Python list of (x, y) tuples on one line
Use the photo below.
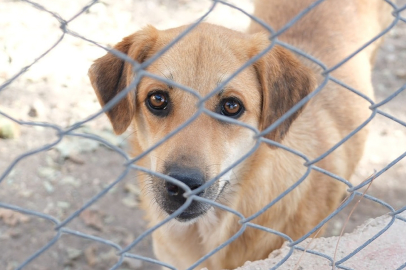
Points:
[(122, 252)]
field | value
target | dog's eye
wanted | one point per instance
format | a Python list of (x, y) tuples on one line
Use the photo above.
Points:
[(157, 102), (231, 107)]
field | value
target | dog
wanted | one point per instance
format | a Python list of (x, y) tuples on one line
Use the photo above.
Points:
[(258, 96)]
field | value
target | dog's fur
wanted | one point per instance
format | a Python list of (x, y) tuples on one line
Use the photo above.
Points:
[(268, 88)]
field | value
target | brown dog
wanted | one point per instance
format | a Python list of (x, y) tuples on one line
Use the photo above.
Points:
[(257, 96)]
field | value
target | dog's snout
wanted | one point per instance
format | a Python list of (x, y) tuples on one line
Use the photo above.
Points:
[(191, 177), (171, 195)]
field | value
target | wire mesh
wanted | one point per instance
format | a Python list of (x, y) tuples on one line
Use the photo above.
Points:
[(191, 195)]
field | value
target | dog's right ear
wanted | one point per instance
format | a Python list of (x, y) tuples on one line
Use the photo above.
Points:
[(110, 74)]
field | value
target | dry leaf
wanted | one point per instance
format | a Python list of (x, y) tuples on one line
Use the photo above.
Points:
[(90, 254), (92, 218), (12, 218)]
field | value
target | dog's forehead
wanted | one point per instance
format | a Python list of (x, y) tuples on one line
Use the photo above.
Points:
[(204, 57)]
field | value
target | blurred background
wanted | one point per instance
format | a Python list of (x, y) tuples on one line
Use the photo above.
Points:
[(56, 90)]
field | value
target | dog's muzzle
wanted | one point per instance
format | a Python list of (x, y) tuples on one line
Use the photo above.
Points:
[(171, 196)]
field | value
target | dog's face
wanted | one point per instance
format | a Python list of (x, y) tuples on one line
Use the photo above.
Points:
[(202, 60)]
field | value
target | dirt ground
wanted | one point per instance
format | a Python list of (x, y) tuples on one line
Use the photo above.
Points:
[(56, 90)]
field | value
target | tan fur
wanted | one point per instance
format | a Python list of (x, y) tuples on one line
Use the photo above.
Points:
[(269, 88)]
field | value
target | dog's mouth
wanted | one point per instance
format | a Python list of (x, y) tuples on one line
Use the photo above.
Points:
[(171, 197), (195, 210)]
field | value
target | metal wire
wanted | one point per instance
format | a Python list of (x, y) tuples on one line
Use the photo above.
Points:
[(139, 69)]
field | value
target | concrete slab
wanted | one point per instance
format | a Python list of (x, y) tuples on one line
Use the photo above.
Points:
[(388, 251)]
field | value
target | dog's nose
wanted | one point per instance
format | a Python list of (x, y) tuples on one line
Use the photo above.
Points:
[(192, 177)]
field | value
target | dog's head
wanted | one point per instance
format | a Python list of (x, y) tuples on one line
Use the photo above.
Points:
[(201, 60)]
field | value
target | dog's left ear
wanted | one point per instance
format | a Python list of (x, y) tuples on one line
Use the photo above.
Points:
[(284, 81)]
